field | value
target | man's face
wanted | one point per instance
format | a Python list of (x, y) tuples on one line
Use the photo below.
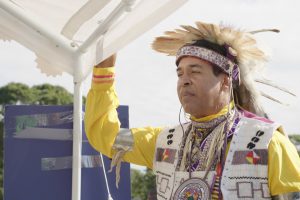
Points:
[(199, 90)]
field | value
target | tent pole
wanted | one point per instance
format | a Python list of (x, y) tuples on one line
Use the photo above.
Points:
[(77, 133)]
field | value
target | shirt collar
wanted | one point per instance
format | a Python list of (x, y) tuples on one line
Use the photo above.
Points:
[(222, 112)]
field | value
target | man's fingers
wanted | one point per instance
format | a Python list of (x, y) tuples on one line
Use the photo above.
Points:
[(108, 62)]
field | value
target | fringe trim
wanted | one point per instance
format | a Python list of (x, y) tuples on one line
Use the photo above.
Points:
[(116, 162)]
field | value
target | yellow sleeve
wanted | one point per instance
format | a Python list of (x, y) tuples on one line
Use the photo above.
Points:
[(144, 146), (101, 119), (284, 165), (102, 124)]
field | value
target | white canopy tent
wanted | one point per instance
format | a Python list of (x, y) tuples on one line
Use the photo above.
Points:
[(72, 36)]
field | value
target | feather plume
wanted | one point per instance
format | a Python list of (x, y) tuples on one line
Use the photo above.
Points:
[(166, 45), (192, 30), (203, 28), (265, 30), (272, 98), (249, 57), (248, 41), (274, 85)]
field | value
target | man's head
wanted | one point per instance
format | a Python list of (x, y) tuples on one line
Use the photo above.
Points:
[(203, 86), (229, 47)]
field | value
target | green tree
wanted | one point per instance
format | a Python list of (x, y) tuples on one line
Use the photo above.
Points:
[(1, 160), (295, 139), (15, 93), (47, 94), (143, 184), (18, 93)]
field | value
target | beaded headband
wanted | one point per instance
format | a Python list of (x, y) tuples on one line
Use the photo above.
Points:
[(224, 63)]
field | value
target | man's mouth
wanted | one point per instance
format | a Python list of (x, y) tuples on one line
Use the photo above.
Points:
[(187, 94)]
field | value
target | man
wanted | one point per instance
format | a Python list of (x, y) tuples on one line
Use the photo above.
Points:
[(228, 150)]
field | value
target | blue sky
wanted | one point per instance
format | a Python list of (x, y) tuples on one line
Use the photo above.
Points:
[(146, 80)]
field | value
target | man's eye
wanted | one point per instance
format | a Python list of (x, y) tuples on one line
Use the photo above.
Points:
[(196, 72), (178, 75)]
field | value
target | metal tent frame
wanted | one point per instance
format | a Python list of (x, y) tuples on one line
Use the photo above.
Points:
[(68, 48)]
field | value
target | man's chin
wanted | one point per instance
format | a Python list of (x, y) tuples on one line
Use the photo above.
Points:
[(187, 109), (191, 111)]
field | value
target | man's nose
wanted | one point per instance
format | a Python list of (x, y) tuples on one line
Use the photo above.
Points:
[(186, 81)]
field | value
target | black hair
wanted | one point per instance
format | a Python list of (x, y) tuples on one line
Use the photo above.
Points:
[(212, 46)]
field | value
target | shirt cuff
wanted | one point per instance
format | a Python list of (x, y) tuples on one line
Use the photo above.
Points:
[(103, 78)]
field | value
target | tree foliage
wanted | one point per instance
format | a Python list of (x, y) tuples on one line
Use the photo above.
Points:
[(1, 160), (295, 139), (15, 93), (44, 94), (143, 185), (47, 94)]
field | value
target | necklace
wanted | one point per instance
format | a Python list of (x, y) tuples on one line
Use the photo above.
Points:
[(198, 188), (195, 188)]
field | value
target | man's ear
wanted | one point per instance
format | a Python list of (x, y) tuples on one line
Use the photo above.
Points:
[(225, 82)]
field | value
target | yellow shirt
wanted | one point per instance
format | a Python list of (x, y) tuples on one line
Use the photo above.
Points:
[(102, 126)]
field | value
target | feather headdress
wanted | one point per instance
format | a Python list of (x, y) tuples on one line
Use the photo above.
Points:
[(242, 45)]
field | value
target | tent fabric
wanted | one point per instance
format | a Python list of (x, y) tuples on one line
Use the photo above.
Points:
[(72, 22)]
